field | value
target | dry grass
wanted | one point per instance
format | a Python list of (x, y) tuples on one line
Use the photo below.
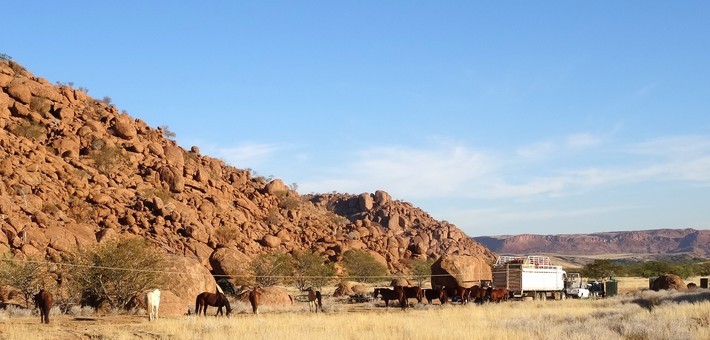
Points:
[(642, 315)]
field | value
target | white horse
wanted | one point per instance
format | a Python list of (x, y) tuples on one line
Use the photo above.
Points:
[(152, 301)]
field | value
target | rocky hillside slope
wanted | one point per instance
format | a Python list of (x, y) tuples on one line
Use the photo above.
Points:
[(665, 241), (76, 171)]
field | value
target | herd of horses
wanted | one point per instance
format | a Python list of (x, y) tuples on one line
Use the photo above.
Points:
[(477, 294), (44, 299)]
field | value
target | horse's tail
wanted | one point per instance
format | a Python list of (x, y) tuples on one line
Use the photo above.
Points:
[(197, 305), (290, 298), (319, 297)]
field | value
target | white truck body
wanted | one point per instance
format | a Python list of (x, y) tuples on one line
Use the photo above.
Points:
[(529, 276)]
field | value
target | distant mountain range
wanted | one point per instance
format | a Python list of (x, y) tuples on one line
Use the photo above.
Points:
[(659, 241)]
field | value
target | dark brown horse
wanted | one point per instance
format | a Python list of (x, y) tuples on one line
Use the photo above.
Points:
[(44, 301), (476, 294), (314, 300), (255, 299), (452, 292), (414, 293), (392, 294), (432, 294), (218, 300)]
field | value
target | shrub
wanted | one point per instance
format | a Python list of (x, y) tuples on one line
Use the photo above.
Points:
[(362, 266), (30, 130), (28, 275), (290, 202), (108, 159), (5, 57), (311, 270), (420, 269), (271, 269), (115, 271)]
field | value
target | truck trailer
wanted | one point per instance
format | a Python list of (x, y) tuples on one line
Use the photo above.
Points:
[(530, 276)]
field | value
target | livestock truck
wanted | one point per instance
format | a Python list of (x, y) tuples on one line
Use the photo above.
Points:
[(535, 277)]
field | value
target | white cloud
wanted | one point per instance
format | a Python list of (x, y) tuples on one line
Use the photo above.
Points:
[(246, 155), (407, 172)]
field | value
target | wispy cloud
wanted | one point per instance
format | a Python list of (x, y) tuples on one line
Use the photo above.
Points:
[(432, 172), (246, 155)]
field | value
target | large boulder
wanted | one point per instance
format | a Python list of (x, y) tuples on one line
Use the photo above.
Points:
[(459, 270), (667, 282), (170, 304), (229, 261), (188, 279), (270, 296)]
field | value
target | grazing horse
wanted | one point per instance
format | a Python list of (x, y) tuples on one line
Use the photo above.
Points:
[(432, 294), (497, 294), (414, 293), (314, 300), (392, 294), (44, 301), (211, 299), (152, 302), (254, 299)]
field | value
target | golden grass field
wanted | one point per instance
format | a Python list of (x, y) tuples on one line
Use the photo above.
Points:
[(634, 314)]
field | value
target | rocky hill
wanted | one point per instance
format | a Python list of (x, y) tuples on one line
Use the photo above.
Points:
[(664, 241), (75, 172)]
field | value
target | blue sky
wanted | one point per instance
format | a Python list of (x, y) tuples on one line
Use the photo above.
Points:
[(500, 117)]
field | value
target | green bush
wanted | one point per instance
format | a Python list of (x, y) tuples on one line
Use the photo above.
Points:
[(28, 275), (116, 271), (311, 270), (271, 269), (362, 266)]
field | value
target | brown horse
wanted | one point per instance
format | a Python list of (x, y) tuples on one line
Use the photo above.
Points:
[(314, 300), (414, 293), (218, 300), (44, 301), (432, 294), (392, 294), (254, 299), (497, 294), (452, 292), (476, 294)]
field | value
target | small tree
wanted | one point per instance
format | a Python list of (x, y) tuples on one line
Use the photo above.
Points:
[(599, 268), (271, 269), (420, 269), (362, 266), (28, 275), (311, 270), (116, 271)]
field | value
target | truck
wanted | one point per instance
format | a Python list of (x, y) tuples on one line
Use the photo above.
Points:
[(533, 277)]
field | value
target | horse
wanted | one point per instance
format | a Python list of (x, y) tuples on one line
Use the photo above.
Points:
[(414, 293), (476, 294), (432, 294), (314, 300), (254, 299), (211, 299), (44, 301), (497, 294), (392, 294), (453, 292), (152, 302)]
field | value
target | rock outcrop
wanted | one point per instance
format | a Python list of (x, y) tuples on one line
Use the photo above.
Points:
[(459, 270), (75, 172)]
